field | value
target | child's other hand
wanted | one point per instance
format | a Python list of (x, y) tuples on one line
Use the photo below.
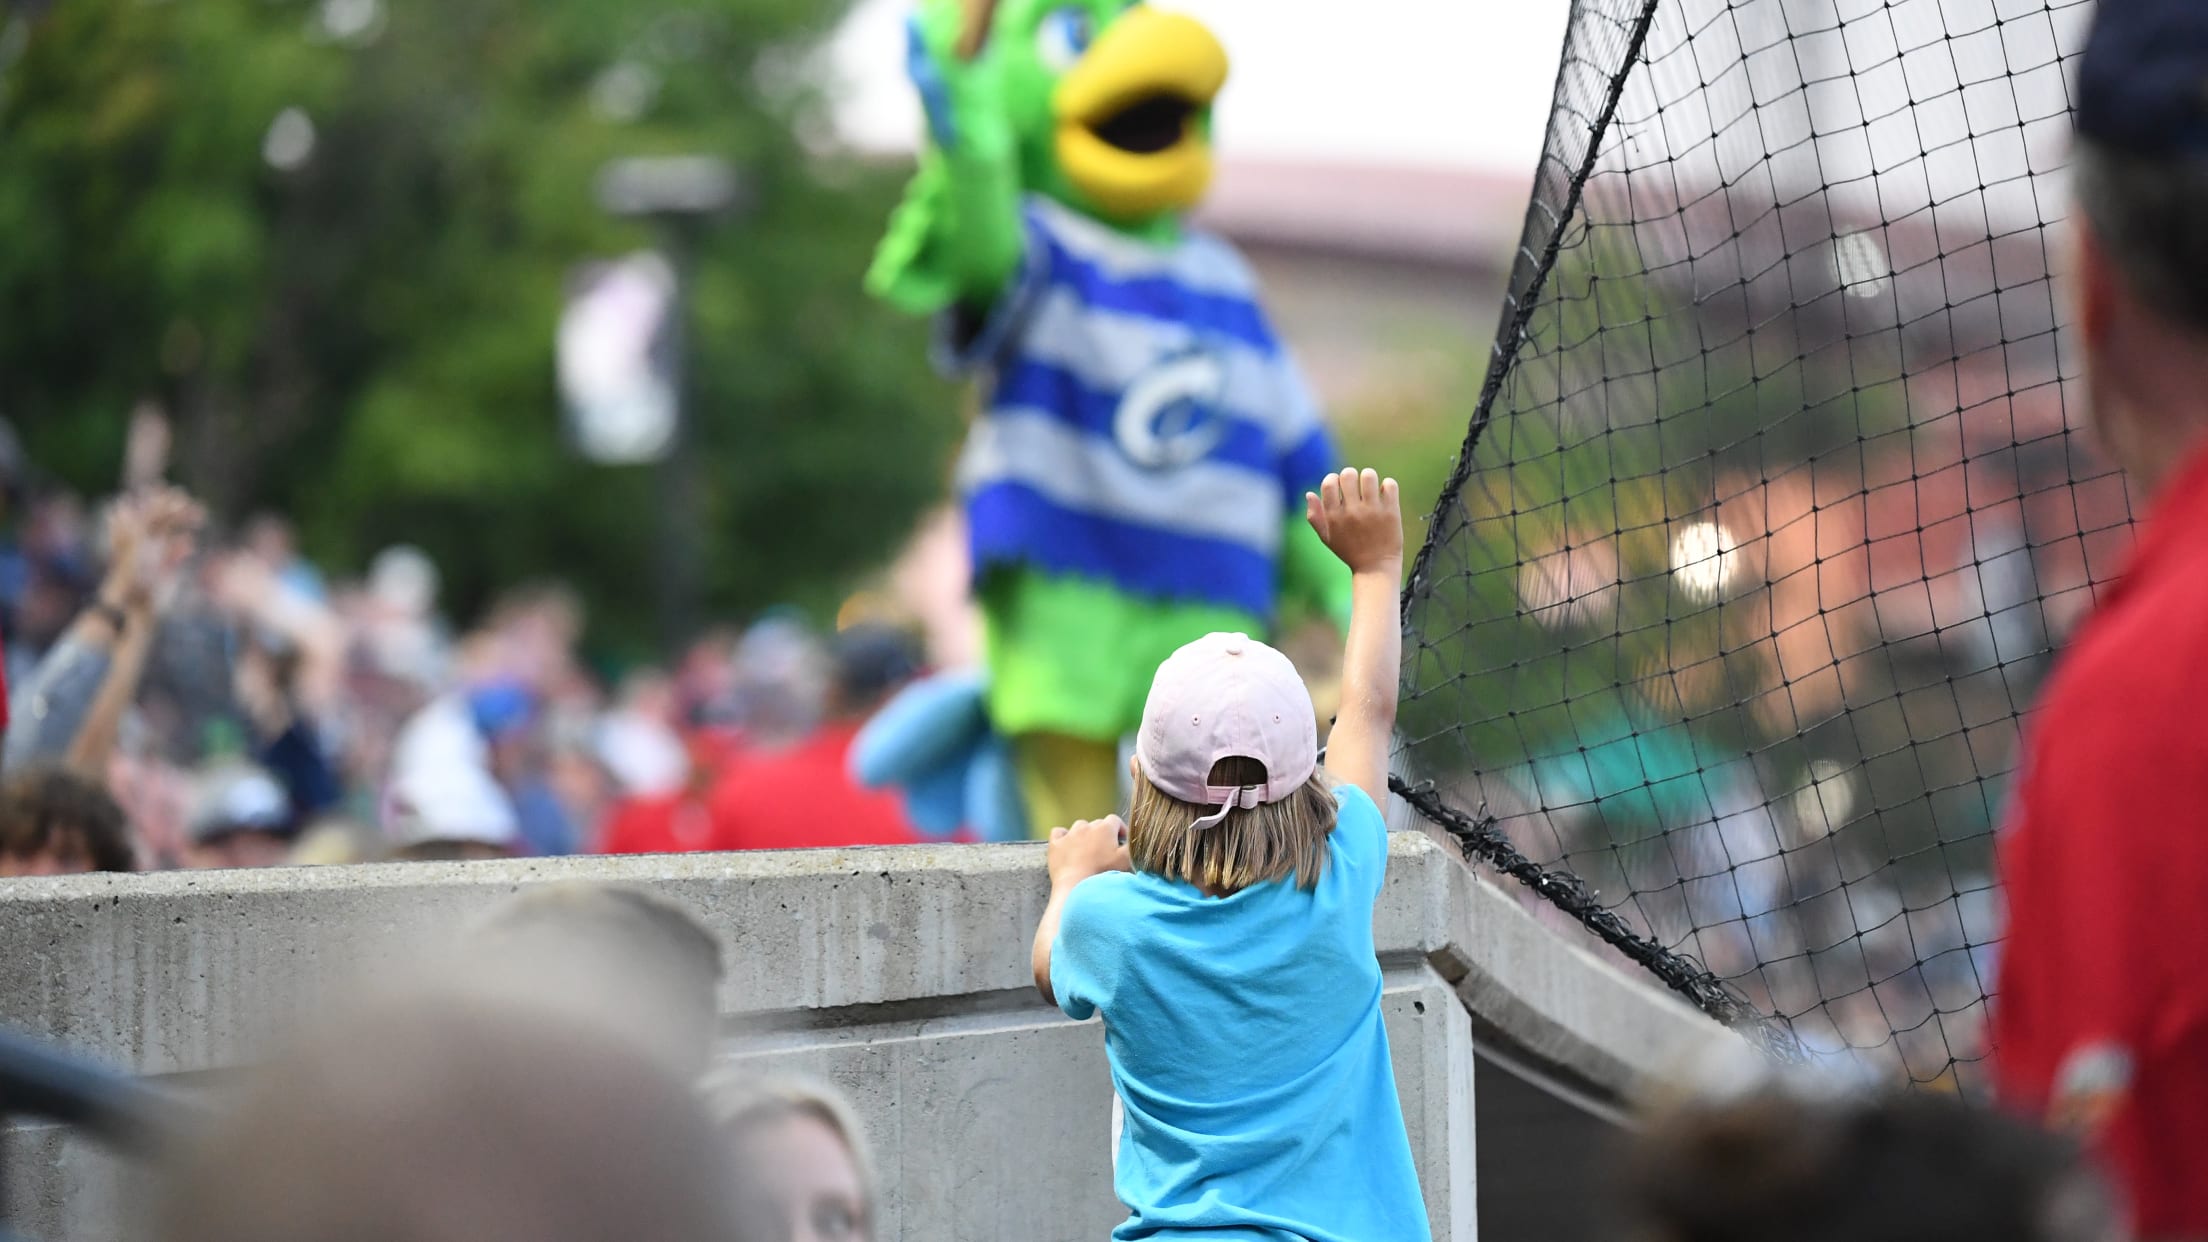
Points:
[(1090, 847), (1360, 517)]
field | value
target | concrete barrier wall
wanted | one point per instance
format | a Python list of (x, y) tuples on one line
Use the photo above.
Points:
[(901, 975)]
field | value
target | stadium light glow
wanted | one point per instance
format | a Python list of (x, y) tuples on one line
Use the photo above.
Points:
[(1703, 560)]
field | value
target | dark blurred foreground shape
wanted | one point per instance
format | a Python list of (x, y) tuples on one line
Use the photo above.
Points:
[(1774, 1166), (42, 1083), (615, 956), (434, 1120)]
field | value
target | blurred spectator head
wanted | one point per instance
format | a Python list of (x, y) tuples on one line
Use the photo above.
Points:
[(649, 693), (396, 633), (502, 708), (576, 775), (59, 529), (646, 756), (705, 680), (872, 662), (507, 714), (449, 811), (57, 546), (402, 581), (269, 537), (533, 632), (802, 1173), (435, 1119), (2139, 170), (332, 841), (1774, 1165), (240, 817), (551, 606), (610, 956), (55, 821), (781, 682)]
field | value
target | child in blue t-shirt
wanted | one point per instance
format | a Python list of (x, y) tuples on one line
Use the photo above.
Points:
[(1225, 931)]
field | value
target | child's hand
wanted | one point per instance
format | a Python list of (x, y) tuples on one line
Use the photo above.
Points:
[(1359, 517), (1090, 847)]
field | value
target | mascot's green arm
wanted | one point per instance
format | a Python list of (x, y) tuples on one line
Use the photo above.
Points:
[(956, 239)]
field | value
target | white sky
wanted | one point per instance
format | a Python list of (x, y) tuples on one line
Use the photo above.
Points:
[(1456, 83)]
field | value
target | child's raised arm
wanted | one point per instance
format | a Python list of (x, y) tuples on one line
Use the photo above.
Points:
[(1360, 517)]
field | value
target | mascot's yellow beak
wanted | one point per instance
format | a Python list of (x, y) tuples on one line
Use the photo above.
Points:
[(1129, 112)]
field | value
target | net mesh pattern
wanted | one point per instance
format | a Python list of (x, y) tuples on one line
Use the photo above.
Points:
[(1773, 508)]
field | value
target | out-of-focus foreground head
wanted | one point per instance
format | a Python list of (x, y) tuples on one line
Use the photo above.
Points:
[(621, 959), (1770, 1164), (433, 1120), (2139, 173), (800, 1170)]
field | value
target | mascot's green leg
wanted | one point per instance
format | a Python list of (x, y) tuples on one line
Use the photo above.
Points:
[(1064, 779)]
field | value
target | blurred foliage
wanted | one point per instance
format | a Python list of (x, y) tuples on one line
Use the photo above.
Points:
[(365, 341)]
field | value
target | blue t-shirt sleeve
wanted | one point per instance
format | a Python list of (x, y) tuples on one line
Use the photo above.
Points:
[(1361, 838), (1084, 958)]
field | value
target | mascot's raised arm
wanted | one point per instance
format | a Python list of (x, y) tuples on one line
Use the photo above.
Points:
[(1135, 476)]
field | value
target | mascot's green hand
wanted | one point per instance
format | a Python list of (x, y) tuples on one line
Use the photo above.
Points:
[(956, 239)]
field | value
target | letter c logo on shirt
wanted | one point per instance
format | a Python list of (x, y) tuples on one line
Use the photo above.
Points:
[(1167, 419)]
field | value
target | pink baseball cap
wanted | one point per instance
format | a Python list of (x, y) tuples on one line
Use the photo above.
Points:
[(1227, 696)]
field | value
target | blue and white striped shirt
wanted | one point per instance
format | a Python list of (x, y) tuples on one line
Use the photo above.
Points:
[(1144, 428)]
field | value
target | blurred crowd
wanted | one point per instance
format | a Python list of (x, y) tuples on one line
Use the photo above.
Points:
[(187, 696)]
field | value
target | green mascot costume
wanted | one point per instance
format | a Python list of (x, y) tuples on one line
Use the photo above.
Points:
[(1134, 478)]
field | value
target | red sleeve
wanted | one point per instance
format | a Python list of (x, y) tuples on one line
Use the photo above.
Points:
[(2100, 1017), (618, 835)]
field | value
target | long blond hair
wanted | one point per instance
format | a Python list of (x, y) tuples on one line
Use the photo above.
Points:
[(742, 1101), (1252, 845)]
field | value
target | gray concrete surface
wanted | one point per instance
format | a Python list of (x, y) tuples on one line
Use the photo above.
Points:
[(901, 975)]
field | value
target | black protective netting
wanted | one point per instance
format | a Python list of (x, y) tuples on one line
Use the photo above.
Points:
[(1774, 507)]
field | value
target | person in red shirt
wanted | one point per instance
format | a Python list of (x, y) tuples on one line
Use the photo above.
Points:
[(668, 817), (2100, 1012), (803, 796)]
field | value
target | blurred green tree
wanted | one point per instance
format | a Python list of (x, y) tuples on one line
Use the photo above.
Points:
[(332, 236)]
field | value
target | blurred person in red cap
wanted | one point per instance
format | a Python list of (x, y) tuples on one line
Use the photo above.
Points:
[(802, 796), (2099, 1016)]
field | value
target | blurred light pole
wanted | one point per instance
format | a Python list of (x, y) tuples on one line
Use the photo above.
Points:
[(679, 195)]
